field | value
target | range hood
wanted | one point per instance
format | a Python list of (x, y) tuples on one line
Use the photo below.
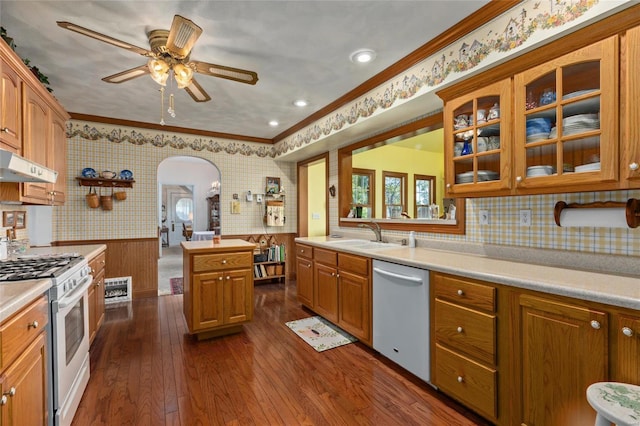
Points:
[(14, 168)]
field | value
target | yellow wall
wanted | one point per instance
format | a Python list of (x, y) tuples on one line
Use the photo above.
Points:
[(317, 199), (427, 158)]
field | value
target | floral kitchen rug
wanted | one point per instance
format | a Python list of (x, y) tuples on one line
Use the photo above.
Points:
[(320, 333)]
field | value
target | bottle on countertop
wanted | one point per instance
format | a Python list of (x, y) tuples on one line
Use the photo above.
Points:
[(412, 239)]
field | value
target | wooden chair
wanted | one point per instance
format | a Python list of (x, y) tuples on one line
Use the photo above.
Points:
[(187, 231)]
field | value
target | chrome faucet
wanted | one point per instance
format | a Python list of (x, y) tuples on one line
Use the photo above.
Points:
[(374, 227)]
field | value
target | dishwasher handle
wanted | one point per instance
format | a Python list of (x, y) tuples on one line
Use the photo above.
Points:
[(413, 280)]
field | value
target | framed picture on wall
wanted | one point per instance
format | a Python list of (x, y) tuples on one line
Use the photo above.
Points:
[(8, 219), (273, 185), (21, 220)]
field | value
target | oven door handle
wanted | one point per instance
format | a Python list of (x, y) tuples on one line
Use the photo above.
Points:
[(77, 294)]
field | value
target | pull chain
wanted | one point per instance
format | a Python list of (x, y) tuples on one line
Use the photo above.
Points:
[(162, 106)]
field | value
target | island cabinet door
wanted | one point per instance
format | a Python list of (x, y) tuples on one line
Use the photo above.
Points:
[(208, 300), (564, 350), (238, 296)]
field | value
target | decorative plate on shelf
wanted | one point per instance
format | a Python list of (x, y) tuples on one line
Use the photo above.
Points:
[(88, 172), (126, 175)]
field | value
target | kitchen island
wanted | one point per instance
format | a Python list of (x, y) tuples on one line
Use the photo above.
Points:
[(217, 286)]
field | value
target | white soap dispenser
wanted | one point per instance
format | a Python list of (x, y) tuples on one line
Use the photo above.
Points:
[(412, 239)]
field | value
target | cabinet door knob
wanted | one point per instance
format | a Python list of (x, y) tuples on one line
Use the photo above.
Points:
[(595, 324), (459, 329), (448, 186), (3, 400), (228, 277), (5, 130), (518, 179), (224, 262), (460, 379), (34, 324), (460, 292), (627, 331), (634, 166), (11, 392), (219, 278)]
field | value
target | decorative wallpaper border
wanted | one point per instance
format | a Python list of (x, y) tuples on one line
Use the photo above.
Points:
[(506, 34), (132, 135)]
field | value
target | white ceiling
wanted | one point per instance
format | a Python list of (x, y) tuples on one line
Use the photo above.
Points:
[(300, 49)]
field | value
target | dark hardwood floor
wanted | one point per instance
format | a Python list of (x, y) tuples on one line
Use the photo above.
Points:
[(146, 370)]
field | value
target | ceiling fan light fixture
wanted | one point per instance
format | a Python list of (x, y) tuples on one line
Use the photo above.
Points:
[(159, 71), (363, 56), (300, 103), (183, 75)]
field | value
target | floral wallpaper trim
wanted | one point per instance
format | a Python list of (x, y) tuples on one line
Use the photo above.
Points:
[(522, 22), (133, 136)]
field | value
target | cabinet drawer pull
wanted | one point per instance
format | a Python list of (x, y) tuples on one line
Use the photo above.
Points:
[(224, 261), (459, 329), (34, 324), (634, 166), (460, 379), (3, 400), (460, 293), (595, 324), (627, 331)]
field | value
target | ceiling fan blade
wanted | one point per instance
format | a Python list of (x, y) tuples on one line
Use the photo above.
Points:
[(182, 36), (98, 36), (127, 75), (197, 92), (235, 74)]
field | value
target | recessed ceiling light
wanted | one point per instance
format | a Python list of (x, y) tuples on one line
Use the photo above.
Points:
[(300, 103), (273, 123), (363, 56)]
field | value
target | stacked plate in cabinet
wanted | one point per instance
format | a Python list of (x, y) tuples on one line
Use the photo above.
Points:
[(534, 171), (483, 176)]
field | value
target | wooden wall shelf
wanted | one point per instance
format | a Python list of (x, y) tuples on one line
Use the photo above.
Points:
[(113, 183)]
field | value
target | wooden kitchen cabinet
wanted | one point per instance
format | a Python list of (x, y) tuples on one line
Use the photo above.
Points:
[(304, 274), (10, 109), (577, 94), (342, 291), (35, 128), (464, 327), (478, 141), (218, 286), (96, 294), (563, 349), (625, 343), (630, 109), (23, 366)]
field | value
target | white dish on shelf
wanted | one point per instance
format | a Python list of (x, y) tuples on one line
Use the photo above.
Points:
[(578, 93), (588, 167), (537, 137)]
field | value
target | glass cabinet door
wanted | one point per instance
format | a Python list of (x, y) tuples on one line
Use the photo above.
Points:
[(566, 121), (478, 142)]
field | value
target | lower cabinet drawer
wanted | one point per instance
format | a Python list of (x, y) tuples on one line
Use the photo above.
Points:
[(464, 329), (467, 381), (20, 330), (219, 261)]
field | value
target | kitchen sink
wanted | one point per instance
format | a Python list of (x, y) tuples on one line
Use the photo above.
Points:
[(362, 244)]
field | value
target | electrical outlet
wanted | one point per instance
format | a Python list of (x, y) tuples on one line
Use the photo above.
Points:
[(525, 217), (315, 216), (484, 217)]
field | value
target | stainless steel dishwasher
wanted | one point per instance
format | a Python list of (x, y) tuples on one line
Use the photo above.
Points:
[(401, 315)]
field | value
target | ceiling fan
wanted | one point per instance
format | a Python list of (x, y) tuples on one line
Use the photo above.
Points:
[(170, 51)]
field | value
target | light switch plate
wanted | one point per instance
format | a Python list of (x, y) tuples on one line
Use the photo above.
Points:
[(484, 217), (258, 198)]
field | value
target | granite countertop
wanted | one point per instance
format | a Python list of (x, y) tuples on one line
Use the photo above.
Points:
[(14, 295), (608, 288)]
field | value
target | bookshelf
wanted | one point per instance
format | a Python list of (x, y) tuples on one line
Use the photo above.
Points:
[(273, 268)]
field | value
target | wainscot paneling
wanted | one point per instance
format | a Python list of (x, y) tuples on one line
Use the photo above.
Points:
[(135, 258)]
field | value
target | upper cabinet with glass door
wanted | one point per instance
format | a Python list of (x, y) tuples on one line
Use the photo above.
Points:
[(478, 141), (566, 120)]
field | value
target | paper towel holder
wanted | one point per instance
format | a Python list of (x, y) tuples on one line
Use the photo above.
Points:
[(632, 209)]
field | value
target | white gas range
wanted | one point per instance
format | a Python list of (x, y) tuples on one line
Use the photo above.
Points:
[(68, 336)]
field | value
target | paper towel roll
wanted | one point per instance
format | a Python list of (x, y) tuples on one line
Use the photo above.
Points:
[(596, 217)]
